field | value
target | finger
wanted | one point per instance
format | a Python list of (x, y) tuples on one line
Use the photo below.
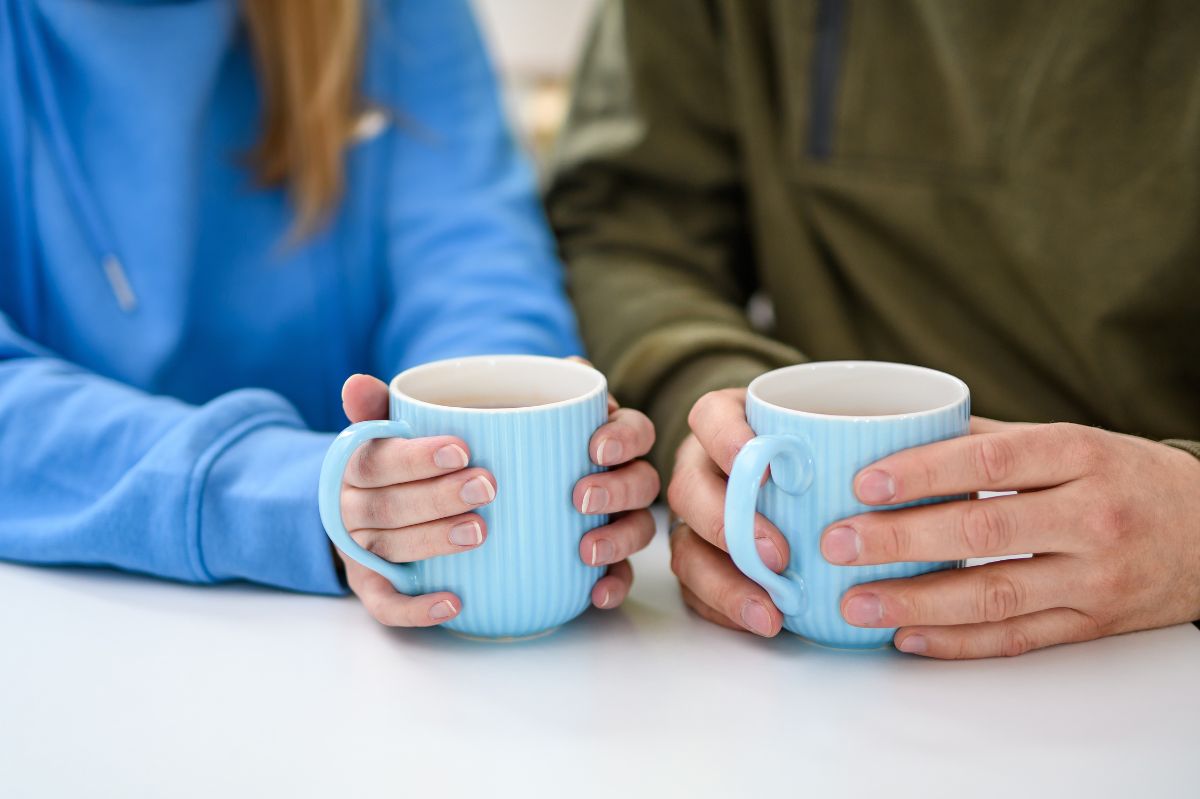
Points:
[(614, 542), (719, 421), (711, 576), (629, 487), (1039, 456), (988, 593), (1000, 639), (387, 461), (364, 397), (1037, 522), (423, 541), (407, 504), (982, 424), (397, 610), (611, 589), (628, 434), (716, 617), (697, 494)]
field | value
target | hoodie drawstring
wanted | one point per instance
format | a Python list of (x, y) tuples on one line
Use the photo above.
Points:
[(87, 210)]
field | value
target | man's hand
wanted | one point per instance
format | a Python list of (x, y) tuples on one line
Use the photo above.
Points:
[(1113, 523), (711, 584)]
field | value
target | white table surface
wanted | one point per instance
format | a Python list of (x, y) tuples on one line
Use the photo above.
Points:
[(117, 685)]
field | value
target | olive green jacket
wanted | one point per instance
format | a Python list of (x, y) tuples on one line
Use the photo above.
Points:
[(1007, 190)]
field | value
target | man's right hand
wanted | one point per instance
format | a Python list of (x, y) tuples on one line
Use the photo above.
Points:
[(711, 584)]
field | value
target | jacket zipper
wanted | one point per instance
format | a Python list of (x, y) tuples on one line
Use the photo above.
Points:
[(827, 61)]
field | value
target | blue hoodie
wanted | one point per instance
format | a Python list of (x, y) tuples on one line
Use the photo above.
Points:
[(170, 365)]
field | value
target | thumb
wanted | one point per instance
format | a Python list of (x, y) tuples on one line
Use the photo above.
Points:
[(364, 397)]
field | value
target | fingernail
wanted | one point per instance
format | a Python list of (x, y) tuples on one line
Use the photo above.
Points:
[(755, 618), (770, 554), (441, 610), (609, 451), (451, 456), (842, 545), (913, 644), (467, 534), (595, 499), (477, 491), (604, 600), (603, 552), (864, 610), (876, 486)]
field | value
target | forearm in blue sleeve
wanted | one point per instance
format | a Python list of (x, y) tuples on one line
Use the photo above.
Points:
[(95, 472), (471, 258)]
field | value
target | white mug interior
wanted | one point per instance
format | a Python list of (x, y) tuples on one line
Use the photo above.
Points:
[(499, 383), (859, 389)]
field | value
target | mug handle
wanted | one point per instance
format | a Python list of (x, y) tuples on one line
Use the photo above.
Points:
[(791, 465), (403, 576)]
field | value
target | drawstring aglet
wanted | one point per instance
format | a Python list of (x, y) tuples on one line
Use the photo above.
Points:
[(119, 282)]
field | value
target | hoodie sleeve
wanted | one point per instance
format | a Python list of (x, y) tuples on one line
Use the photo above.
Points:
[(95, 472), (471, 259)]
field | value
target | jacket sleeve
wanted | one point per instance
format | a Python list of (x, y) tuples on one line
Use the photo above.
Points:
[(647, 203), (471, 258), (1191, 447), (93, 471)]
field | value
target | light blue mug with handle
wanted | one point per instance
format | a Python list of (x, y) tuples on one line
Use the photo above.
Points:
[(817, 425), (528, 420)]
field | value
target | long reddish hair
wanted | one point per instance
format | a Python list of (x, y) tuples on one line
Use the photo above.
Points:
[(308, 58)]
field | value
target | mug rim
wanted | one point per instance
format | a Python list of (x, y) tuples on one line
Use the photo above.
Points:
[(813, 366), (395, 392)]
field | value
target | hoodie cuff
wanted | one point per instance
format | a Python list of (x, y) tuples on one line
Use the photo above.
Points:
[(259, 519)]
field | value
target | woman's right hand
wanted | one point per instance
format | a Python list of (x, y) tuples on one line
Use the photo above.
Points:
[(407, 500)]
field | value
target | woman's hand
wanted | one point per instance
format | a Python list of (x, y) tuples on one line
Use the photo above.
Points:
[(625, 492), (412, 499), (406, 500), (1113, 523)]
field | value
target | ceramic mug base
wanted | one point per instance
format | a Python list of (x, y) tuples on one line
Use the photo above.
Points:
[(507, 639), (846, 647)]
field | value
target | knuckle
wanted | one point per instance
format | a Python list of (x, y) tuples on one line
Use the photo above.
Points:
[(363, 468), (1014, 640), (1108, 519), (986, 528), (380, 611), (892, 538), (717, 531), (677, 492), (376, 507), (700, 409), (679, 556), (1109, 583), (994, 459), (999, 598), (1084, 445), (648, 480)]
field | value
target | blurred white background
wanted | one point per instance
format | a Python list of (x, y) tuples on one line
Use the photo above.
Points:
[(535, 44)]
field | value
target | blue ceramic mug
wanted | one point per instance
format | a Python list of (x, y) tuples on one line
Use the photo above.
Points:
[(817, 425), (528, 420)]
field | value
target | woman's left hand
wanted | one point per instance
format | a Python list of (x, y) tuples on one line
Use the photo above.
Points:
[(625, 492)]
